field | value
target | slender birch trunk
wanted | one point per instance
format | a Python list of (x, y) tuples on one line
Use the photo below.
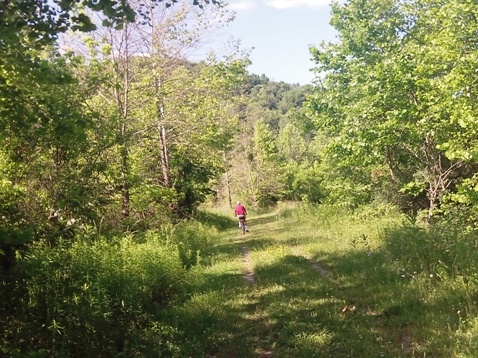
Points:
[(163, 140), (122, 101)]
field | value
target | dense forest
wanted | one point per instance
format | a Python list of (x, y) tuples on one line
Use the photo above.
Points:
[(112, 136), (117, 130)]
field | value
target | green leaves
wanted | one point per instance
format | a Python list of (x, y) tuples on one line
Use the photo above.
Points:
[(398, 90)]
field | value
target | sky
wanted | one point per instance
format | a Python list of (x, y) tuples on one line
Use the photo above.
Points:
[(279, 33)]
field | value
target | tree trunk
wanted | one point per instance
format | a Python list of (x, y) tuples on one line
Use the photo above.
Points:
[(125, 197), (163, 155), (391, 166), (228, 183), (122, 101), (432, 199), (162, 136)]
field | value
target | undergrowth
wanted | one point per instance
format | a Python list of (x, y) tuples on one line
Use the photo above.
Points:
[(323, 282)]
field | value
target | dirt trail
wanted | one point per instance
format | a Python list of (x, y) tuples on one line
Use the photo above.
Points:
[(322, 306), (247, 262)]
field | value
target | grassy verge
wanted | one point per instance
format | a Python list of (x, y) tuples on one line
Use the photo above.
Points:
[(325, 284), (305, 281)]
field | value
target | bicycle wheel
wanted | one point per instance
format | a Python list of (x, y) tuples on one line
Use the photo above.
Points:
[(243, 226)]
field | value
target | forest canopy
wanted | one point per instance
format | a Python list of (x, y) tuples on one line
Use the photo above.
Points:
[(396, 99), (105, 120)]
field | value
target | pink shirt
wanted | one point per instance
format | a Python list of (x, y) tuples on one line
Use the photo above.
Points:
[(240, 210)]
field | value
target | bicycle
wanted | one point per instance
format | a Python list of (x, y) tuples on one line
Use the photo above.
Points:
[(243, 224)]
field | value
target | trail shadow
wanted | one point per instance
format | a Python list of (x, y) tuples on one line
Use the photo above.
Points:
[(308, 303), (294, 309), (220, 222), (363, 307), (225, 223), (254, 243), (262, 220), (224, 250)]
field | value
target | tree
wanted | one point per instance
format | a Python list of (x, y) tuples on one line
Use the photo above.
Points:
[(266, 111), (44, 122), (379, 98), (302, 165), (29, 27), (42, 167), (172, 116), (268, 183)]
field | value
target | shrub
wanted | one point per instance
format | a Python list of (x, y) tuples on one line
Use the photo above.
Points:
[(94, 299), (445, 246), (192, 238)]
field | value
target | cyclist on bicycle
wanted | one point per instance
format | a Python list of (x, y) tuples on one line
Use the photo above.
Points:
[(240, 212)]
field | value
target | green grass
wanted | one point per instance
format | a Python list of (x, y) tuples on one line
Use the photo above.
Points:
[(310, 265), (325, 283)]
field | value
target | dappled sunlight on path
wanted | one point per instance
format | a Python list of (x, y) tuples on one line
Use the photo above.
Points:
[(289, 290)]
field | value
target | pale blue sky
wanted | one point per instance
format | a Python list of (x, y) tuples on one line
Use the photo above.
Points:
[(280, 31)]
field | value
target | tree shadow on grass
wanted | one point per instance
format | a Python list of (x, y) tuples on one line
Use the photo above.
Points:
[(253, 243), (224, 223), (223, 250), (263, 219), (351, 318), (215, 321), (218, 221), (293, 311), (363, 307)]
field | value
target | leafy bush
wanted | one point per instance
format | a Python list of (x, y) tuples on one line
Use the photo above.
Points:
[(191, 238), (447, 247), (96, 298), (15, 230)]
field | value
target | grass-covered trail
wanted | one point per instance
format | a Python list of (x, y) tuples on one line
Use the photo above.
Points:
[(302, 285), (306, 281)]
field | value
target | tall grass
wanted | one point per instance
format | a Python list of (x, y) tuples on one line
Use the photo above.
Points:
[(327, 282), (333, 283), (97, 292), (97, 297)]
